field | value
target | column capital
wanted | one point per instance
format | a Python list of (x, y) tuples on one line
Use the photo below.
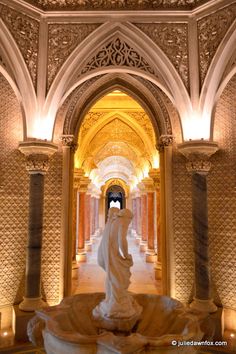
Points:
[(80, 180), (69, 141), (154, 174), (146, 185), (165, 140), (37, 154), (198, 153)]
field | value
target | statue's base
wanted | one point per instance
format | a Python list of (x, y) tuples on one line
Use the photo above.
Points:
[(121, 324), (115, 324)]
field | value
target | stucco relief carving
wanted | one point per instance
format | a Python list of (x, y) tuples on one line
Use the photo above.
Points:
[(117, 53), (90, 120), (76, 95), (62, 40), (172, 38), (37, 163), (156, 92), (25, 31), (144, 121), (211, 31), (116, 4)]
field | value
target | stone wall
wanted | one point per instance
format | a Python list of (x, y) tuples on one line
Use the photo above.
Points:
[(221, 210), (14, 184), (222, 199)]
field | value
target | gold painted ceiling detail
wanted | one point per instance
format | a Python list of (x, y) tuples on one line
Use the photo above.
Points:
[(93, 5), (116, 149)]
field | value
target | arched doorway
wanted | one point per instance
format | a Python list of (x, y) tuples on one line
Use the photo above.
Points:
[(115, 197)]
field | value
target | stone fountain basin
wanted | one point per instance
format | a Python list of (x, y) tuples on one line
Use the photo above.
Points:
[(70, 327)]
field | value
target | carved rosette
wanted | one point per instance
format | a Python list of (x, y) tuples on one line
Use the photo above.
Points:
[(198, 153), (37, 154), (165, 140)]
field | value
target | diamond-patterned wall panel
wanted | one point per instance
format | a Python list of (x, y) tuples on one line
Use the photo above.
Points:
[(52, 230), (222, 199), (13, 198), (182, 223)]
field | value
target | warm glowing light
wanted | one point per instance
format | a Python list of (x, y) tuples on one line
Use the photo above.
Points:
[(156, 163), (145, 171), (42, 128), (5, 334), (196, 128), (232, 335)]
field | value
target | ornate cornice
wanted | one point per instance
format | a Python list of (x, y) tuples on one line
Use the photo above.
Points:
[(198, 153), (118, 5), (37, 154)]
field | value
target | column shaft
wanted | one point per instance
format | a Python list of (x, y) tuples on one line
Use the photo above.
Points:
[(81, 221)]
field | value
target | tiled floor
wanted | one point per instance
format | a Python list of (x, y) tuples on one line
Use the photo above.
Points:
[(89, 277)]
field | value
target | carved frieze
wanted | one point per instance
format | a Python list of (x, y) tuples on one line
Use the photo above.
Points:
[(172, 38), (84, 5), (37, 163), (117, 53), (90, 120), (211, 31), (25, 31), (144, 121), (62, 40)]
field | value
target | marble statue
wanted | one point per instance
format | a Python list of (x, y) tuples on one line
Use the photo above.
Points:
[(114, 258)]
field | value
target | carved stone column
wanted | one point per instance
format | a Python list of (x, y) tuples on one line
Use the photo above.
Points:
[(143, 242), (68, 149), (138, 199), (88, 243), (82, 183), (155, 175), (198, 154), (37, 155)]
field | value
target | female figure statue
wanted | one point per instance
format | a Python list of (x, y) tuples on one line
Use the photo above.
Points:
[(114, 258)]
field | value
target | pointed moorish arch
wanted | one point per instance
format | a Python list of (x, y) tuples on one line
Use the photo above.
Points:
[(151, 64), (19, 78), (160, 117), (151, 100)]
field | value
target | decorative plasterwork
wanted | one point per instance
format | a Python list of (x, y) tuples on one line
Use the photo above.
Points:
[(157, 94), (25, 31), (172, 38), (78, 93), (117, 53), (211, 31), (83, 5), (144, 121), (62, 40), (91, 119), (165, 140), (115, 149)]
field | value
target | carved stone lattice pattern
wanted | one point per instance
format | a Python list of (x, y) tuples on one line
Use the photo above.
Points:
[(182, 224), (143, 120), (25, 31), (159, 95), (117, 53), (211, 31), (62, 40), (90, 120), (52, 230), (222, 199), (48, 5), (173, 40), (14, 182)]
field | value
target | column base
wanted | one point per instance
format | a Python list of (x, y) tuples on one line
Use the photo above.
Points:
[(88, 246), (81, 256), (31, 304), (203, 305), (158, 270), (150, 256), (143, 246)]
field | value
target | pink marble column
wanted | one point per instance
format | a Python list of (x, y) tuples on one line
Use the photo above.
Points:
[(138, 199), (92, 224), (81, 254), (134, 213), (150, 254), (88, 244), (143, 243), (96, 216)]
